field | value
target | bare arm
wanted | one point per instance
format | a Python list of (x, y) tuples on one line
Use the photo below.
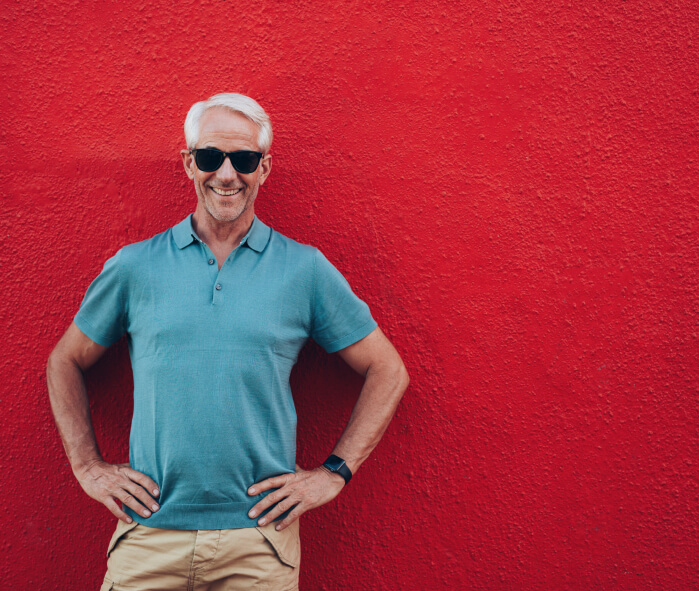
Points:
[(102, 481), (385, 381)]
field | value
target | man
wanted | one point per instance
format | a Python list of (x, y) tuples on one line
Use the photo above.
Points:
[(216, 310)]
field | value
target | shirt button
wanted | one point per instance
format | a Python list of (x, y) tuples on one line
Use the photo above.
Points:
[(211, 261), (218, 286)]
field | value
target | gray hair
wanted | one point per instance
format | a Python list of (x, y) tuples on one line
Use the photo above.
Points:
[(237, 103)]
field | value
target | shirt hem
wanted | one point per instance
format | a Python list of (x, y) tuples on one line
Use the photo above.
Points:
[(199, 517)]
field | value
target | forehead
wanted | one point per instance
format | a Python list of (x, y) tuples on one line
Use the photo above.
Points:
[(227, 131)]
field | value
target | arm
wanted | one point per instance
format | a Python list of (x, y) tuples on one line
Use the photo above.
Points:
[(102, 481), (385, 381)]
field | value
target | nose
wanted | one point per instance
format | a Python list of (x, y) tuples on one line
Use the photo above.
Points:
[(226, 173)]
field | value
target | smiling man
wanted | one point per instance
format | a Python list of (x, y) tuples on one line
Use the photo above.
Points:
[(216, 310)]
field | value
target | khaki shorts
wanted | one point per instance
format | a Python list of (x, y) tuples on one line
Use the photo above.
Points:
[(146, 558)]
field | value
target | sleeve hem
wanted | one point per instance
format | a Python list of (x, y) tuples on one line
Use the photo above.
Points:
[(351, 338), (89, 331)]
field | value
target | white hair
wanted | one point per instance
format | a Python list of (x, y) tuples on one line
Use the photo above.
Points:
[(237, 103)]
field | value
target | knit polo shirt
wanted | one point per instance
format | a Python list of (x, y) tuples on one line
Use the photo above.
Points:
[(211, 352)]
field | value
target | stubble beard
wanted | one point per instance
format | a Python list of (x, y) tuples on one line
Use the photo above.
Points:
[(228, 213)]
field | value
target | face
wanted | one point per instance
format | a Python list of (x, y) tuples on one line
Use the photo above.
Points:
[(225, 194)]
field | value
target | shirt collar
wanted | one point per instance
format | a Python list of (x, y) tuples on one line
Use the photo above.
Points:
[(257, 238)]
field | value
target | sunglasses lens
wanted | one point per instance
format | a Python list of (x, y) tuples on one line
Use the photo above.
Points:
[(245, 162), (208, 160)]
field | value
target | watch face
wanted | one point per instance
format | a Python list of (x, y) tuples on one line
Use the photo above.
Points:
[(334, 463)]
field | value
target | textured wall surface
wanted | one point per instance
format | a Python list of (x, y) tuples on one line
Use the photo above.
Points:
[(512, 187)]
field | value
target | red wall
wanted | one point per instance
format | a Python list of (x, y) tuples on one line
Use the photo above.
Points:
[(510, 186)]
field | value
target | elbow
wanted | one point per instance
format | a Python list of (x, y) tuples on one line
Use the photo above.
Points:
[(52, 365), (396, 374), (56, 366), (391, 374), (402, 377), (55, 360), (405, 377)]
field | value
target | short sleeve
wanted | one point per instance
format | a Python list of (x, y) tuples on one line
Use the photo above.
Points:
[(340, 318), (102, 313)]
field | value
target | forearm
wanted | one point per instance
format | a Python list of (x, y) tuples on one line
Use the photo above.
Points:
[(106, 483), (382, 391), (71, 411)]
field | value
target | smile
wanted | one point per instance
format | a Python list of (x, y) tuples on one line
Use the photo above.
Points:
[(226, 193)]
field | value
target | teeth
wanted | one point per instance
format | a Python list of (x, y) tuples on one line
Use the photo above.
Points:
[(225, 193)]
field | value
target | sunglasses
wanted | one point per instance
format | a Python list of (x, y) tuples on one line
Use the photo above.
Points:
[(210, 159)]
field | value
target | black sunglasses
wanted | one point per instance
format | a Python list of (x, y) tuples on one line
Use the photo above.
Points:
[(210, 159)]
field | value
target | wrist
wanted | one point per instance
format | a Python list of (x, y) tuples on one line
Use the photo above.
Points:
[(333, 475), (337, 465), (82, 467)]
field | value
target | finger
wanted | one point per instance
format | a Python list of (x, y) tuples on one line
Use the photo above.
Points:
[(116, 510), (142, 496), (290, 518), (130, 501), (275, 482), (267, 502), (146, 482), (281, 507)]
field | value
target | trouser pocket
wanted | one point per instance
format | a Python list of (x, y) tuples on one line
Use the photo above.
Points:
[(121, 530), (286, 543)]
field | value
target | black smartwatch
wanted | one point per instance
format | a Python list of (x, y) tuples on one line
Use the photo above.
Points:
[(338, 465)]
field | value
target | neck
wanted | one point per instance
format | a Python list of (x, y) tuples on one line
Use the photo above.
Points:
[(224, 234)]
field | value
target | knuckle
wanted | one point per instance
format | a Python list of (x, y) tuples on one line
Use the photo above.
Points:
[(136, 477), (100, 490)]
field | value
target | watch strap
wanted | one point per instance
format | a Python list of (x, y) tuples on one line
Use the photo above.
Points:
[(337, 464)]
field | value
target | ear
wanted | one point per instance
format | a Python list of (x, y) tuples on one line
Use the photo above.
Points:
[(265, 167), (188, 162)]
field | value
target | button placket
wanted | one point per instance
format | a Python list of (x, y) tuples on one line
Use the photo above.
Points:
[(220, 283), (218, 289), (217, 296)]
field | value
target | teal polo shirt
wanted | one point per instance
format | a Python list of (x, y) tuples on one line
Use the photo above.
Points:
[(211, 352)]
